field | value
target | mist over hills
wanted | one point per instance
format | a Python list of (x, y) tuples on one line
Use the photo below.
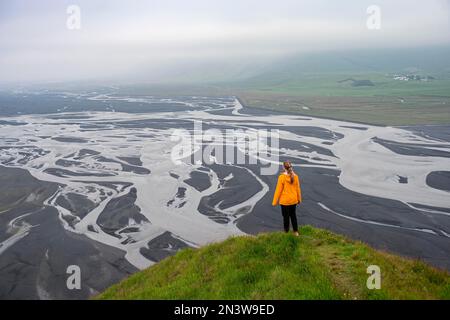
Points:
[(408, 60), (433, 60), (273, 70)]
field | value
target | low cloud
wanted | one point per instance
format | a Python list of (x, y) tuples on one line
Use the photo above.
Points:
[(119, 38)]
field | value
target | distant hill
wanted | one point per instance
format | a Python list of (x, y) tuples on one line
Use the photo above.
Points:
[(293, 67), (317, 265), (369, 60)]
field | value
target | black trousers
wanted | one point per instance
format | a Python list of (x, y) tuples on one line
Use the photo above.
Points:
[(289, 214)]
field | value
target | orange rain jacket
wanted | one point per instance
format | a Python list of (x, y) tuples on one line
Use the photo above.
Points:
[(287, 193)]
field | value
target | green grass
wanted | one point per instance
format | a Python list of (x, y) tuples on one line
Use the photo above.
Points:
[(317, 265), (388, 102), (382, 110), (328, 85)]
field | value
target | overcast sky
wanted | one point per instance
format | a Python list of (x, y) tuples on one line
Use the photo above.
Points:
[(119, 37)]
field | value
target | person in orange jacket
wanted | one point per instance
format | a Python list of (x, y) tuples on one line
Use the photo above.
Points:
[(288, 194)]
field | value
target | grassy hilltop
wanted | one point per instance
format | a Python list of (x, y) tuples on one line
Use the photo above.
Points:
[(317, 265)]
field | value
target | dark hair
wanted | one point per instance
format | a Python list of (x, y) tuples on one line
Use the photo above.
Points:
[(288, 167)]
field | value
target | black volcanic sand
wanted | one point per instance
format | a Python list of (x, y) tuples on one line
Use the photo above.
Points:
[(86, 153), (46, 103), (77, 204), (314, 132), (422, 206), (181, 194), (199, 180), (70, 139), (119, 211), (353, 127), (233, 191), (125, 167), (437, 132), (58, 172), (35, 267), (27, 153), (304, 147), (12, 123), (439, 180), (135, 161), (68, 163), (118, 186), (411, 150), (162, 246)]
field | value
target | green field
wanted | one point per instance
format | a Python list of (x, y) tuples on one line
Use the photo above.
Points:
[(388, 102), (316, 265), (327, 84)]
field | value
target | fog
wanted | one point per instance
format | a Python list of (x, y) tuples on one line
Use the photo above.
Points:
[(155, 40)]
